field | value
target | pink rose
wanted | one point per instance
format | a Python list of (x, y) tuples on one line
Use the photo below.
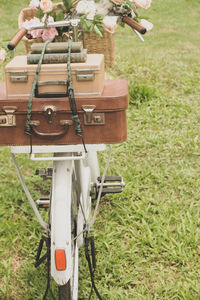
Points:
[(46, 5), (36, 33), (49, 34), (142, 3), (2, 55), (146, 24), (49, 20), (34, 3)]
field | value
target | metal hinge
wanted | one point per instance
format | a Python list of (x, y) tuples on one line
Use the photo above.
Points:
[(8, 120), (91, 117)]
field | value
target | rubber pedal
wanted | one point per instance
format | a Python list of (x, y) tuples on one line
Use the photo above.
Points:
[(110, 178), (111, 191)]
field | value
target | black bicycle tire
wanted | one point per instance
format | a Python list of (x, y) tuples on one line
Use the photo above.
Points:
[(64, 292)]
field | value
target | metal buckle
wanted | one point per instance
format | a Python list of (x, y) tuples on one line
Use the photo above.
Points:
[(8, 120), (91, 118)]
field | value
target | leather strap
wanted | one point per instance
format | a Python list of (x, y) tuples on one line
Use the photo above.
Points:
[(72, 101), (27, 128)]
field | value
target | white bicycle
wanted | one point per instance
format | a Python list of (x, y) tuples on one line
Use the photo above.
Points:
[(75, 181)]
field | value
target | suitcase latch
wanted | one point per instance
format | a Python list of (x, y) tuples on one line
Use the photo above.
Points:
[(50, 112), (84, 75), (19, 76), (91, 117), (8, 120)]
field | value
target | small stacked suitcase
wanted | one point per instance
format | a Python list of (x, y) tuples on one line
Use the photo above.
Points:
[(101, 104)]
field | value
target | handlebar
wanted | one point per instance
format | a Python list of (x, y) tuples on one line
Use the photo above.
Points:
[(17, 38), (133, 24), (23, 31)]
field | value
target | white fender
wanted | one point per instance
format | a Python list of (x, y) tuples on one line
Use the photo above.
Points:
[(61, 218)]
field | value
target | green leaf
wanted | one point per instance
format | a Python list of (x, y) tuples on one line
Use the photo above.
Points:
[(53, 14), (67, 4), (60, 16), (60, 7), (98, 18), (98, 31), (87, 25), (95, 25), (39, 14)]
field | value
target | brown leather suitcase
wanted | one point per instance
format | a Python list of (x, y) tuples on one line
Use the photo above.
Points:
[(88, 77), (103, 118)]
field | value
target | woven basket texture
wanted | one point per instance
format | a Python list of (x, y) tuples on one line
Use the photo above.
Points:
[(106, 45), (93, 42)]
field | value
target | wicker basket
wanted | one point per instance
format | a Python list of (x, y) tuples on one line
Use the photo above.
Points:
[(106, 45), (93, 42)]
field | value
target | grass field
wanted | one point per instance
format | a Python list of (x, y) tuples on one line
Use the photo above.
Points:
[(148, 237)]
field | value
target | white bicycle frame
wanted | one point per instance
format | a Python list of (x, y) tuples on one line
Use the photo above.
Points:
[(71, 166)]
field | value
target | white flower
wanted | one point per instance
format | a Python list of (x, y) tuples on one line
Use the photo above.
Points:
[(103, 7), (110, 23), (142, 3), (34, 4), (32, 22), (146, 24), (2, 55), (46, 5), (91, 15), (86, 7)]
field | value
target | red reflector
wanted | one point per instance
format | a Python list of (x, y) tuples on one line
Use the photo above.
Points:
[(60, 259)]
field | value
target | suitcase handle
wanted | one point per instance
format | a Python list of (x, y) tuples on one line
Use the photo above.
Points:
[(50, 95), (52, 135)]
